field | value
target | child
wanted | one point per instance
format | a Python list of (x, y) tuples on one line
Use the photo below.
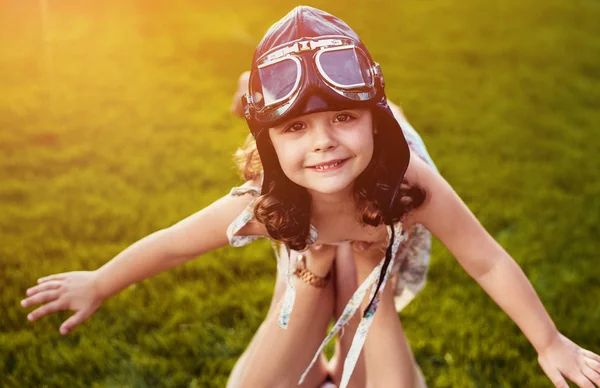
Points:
[(336, 168), (408, 279)]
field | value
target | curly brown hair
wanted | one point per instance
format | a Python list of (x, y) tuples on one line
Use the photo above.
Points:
[(285, 208)]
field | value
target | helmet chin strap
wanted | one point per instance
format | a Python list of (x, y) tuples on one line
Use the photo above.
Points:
[(387, 220), (384, 267)]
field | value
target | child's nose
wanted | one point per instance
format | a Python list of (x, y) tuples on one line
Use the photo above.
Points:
[(323, 139)]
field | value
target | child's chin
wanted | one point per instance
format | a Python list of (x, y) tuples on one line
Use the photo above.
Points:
[(331, 188), (324, 185)]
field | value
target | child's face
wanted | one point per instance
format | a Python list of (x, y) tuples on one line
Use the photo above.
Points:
[(340, 141)]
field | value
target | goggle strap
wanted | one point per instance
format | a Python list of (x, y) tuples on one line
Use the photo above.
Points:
[(247, 102)]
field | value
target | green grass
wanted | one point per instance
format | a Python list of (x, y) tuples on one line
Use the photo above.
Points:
[(114, 123)]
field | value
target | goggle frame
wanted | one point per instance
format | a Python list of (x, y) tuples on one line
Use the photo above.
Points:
[(293, 51)]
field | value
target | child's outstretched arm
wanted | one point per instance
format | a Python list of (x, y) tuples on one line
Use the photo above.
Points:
[(450, 220), (84, 291)]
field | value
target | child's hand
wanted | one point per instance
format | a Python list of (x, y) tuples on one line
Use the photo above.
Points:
[(75, 291), (564, 358), (320, 258)]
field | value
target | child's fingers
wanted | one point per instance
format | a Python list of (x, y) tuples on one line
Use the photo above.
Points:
[(74, 320), (49, 285), (591, 355), (361, 245), (578, 377), (320, 251), (367, 254), (591, 374), (45, 310), (59, 276), (555, 376), (595, 365), (41, 297)]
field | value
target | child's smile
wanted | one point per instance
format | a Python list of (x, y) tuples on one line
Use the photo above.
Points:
[(331, 165), (325, 151)]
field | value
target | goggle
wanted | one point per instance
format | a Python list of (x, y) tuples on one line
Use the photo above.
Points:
[(282, 73)]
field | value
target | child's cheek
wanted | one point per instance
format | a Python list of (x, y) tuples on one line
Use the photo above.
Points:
[(365, 144), (291, 162)]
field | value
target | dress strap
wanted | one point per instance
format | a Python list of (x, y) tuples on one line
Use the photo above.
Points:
[(243, 218), (243, 190), (289, 297)]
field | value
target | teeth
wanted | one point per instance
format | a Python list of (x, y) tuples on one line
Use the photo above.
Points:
[(328, 166)]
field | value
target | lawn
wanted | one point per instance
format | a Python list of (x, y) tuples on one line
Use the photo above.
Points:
[(115, 122)]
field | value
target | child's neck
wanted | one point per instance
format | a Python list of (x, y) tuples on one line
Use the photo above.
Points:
[(336, 204)]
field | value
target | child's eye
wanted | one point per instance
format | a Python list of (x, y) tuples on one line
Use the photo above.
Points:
[(295, 127), (343, 117)]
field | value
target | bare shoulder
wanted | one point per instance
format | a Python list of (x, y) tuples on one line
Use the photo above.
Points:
[(421, 174)]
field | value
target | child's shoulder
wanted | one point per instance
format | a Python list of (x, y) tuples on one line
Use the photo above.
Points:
[(250, 189), (419, 173), (245, 224)]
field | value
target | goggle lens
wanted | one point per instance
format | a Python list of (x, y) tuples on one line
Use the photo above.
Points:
[(278, 80), (345, 68)]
